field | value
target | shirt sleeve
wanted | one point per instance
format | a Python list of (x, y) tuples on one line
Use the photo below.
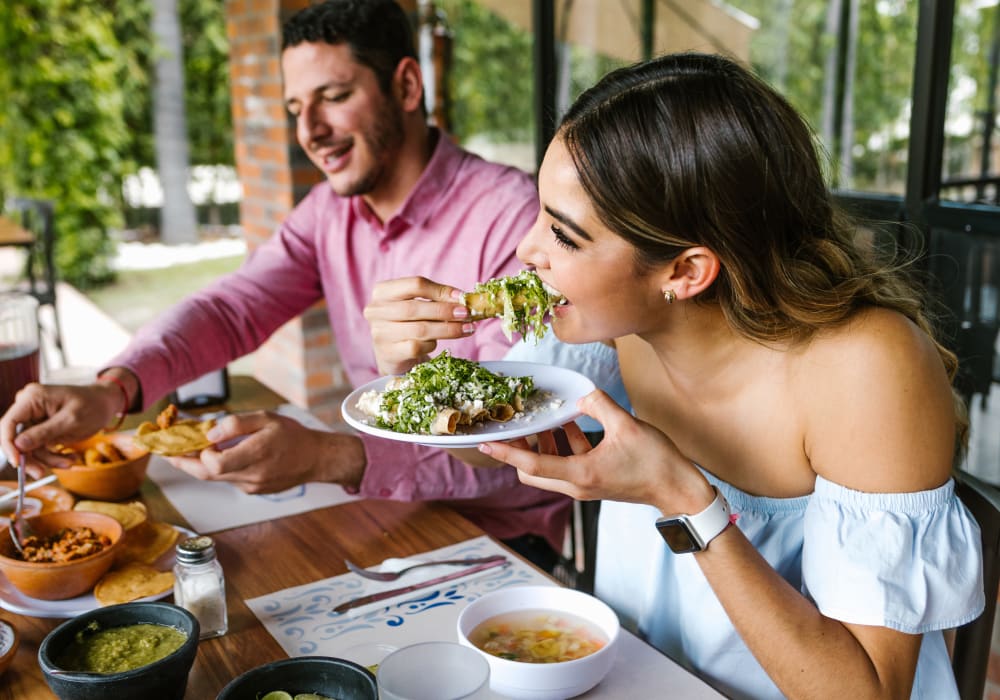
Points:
[(911, 562), (232, 316)]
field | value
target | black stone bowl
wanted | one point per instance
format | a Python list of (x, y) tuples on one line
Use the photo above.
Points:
[(324, 675), (166, 678)]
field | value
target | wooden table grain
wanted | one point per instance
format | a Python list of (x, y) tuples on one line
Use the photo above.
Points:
[(262, 558)]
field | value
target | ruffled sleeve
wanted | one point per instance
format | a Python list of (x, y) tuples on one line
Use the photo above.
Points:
[(908, 561)]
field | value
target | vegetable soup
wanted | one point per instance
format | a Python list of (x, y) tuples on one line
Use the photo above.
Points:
[(538, 636)]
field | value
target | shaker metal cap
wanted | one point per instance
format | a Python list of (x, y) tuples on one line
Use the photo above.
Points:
[(196, 550)]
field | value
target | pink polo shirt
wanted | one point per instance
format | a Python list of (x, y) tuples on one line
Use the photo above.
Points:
[(460, 225)]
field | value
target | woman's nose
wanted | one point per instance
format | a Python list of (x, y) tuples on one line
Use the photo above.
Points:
[(528, 250)]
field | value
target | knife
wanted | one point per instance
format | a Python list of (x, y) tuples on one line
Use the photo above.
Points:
[(364, 600)]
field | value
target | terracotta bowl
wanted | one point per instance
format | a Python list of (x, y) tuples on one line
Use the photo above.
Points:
[(107, 482), (58, 581)]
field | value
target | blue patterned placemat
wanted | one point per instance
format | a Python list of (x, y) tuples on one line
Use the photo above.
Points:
[(302, 620)]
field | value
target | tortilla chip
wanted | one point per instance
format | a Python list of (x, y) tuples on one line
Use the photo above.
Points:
[(131, 582), (147, 542), (130, 515), (181, 438)]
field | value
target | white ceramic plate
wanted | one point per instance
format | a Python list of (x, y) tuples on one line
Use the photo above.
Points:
[(13, 600), (561, 383)]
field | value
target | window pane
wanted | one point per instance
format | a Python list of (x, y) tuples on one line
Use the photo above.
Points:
[(969, 163), (491, 78)]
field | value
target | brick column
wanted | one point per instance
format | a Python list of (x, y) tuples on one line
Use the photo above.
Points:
[(300, 361)]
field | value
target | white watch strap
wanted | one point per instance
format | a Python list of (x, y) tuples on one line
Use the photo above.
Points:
[(713, 520)]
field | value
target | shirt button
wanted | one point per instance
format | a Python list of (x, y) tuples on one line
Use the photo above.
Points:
[(384, 247), (385, 493)]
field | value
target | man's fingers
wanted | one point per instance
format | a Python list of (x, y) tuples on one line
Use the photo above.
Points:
[(413, 287)]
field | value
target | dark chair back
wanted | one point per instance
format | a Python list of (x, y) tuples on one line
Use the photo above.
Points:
[(974, 641), (38, 216)]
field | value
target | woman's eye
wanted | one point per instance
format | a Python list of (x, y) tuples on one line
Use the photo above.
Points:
[(562, 239)]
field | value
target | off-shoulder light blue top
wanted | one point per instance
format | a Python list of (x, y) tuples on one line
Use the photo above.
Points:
[(907, 561)]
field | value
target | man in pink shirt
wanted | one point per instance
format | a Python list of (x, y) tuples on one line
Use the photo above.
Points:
[(400, 200)]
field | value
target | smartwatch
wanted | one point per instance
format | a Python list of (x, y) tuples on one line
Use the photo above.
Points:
[(685, 534)]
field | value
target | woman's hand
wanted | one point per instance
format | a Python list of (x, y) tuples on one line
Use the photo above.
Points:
[(634, 462), (408, 316)]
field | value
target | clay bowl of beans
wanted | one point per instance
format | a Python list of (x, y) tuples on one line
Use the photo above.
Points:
[(66, 554)]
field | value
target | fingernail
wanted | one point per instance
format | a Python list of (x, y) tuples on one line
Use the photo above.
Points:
[(457, 294), (214, 434), (485, 448), (468, 328), (23, 444), (460, 312)]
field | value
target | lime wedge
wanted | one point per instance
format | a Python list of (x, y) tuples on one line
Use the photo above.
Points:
[(277, 695)]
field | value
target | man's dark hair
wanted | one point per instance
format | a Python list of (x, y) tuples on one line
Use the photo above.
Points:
[(378, 32)]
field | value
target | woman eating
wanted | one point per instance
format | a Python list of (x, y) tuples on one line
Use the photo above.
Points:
[(779, 513)]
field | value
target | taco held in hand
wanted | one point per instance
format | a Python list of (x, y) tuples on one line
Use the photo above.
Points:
[(173, 437)]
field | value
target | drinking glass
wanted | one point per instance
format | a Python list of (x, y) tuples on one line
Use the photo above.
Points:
[(434, 671), (18, 345)]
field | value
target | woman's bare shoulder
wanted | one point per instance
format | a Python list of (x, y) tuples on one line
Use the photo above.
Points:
[(878, 404)]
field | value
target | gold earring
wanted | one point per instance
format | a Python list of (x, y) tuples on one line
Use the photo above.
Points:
[(670, 295)]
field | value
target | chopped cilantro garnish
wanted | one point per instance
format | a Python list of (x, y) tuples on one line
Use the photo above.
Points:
[(521, 301), (446, 382)]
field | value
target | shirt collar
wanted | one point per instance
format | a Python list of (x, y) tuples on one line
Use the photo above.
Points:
[(425, 196)]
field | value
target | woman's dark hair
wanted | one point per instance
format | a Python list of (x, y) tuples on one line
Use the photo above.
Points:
[(694, 150), (377, 31)]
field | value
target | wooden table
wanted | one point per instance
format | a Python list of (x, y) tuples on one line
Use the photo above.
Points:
[(13, 234), (269, 556)]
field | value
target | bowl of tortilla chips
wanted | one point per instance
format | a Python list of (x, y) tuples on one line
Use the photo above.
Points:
[(107, 466)]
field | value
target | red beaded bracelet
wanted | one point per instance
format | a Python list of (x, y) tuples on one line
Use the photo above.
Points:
[(125, 402)]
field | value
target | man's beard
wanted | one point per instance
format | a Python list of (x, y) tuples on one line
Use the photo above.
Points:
[(384, 137)]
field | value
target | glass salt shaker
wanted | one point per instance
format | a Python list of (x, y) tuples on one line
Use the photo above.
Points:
[(200, 586)]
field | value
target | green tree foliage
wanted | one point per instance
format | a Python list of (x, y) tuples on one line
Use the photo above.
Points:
[(206, 86), (61, 126), (491, 76), (75, 111)]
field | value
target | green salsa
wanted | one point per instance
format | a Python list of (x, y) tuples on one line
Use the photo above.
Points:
[(118, 649)]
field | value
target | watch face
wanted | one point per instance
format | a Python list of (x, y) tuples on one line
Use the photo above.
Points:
[(678, 537)]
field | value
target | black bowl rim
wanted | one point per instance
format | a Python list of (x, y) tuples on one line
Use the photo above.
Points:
[(231, 685), (50, 669)]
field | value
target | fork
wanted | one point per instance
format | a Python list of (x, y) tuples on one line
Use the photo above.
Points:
[(393, 575)]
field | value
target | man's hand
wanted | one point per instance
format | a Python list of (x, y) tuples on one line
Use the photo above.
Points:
[(408, 316), (265, 453), (53, 414)]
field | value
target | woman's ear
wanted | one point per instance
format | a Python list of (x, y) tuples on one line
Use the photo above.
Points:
[(692, 272), (408, 84)]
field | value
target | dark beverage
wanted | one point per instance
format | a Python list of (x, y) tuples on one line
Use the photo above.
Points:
[(18, 366)]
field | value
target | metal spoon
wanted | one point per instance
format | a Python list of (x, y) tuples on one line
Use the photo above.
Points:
[(19, 529), (393, 575)]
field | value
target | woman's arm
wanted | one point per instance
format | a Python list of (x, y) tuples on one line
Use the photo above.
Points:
[(878, 418)]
